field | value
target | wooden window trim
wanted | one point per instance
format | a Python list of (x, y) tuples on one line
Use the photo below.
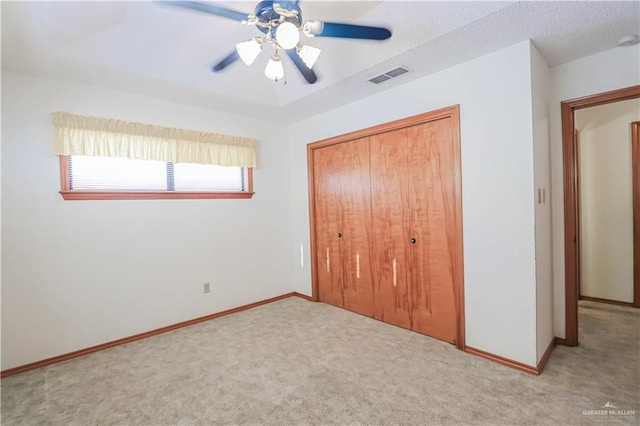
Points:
[(69, 194)]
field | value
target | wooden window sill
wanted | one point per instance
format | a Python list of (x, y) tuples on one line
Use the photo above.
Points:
[(150, 195)]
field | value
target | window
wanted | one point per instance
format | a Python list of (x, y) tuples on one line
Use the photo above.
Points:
[(111, 159), (110, 178)]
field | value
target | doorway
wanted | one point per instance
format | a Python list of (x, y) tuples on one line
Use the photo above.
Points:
[(572, 200)]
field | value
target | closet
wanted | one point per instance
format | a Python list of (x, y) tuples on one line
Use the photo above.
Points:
[(386, 223)]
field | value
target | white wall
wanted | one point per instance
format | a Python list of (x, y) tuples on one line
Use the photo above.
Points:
[(606, 199), (81, 273), (494, 93), (613, 69), (540, 95), (58, 295)]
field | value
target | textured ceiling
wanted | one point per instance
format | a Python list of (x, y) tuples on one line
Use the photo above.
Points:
[(166, 51)]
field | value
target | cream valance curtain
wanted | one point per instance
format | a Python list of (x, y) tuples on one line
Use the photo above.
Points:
[(81, 135)]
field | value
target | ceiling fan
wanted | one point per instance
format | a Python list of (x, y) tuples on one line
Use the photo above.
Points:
[(281, 23)]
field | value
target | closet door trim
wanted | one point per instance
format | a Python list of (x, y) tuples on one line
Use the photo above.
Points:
[(447, 112), (452, 112)]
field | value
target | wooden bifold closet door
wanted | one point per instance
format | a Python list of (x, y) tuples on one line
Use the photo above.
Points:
[(342, 213), (387, 223)]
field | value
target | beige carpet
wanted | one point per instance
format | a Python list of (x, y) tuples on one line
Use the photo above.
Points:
[(297, 362)]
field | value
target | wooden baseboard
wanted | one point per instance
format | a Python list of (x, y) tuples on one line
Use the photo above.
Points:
[(103, 346), (560, 341), (546, 355), (611, 302), (304, 296), (504, 361), (65, 357), (537, 370)]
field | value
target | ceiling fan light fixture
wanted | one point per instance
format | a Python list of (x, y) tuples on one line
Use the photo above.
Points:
[(308, 54), (281, 25), (249, 50), (287, 35), (274, 69), (311, 28)]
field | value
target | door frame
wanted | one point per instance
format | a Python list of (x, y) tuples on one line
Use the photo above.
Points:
[(571, 202), (452, 112), (635, 171)]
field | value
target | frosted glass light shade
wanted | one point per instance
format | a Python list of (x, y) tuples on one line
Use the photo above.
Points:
[(248, 50), (309, 55), (311, 28), (287, 35), (274, 69)]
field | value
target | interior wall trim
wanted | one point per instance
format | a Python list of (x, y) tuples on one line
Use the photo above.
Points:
[(609, 301), (103, 346), (537, 370), (547, 354), (87, 351), (505, 361), (635, 172), (303, 296), (570, 185)]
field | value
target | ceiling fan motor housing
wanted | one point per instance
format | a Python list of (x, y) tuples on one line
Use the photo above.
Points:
[(266, 13)]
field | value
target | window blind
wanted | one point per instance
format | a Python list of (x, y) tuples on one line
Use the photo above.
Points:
[(199, 177), (122, 174), (105, 173)]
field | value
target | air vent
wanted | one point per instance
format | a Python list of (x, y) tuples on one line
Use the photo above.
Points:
[(389, 75), (379, 79), (396, 72)]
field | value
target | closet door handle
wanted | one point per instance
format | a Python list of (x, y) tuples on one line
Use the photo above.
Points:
[(339, 234), (413, 241)]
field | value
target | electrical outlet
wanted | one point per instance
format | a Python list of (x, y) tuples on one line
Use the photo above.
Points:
[(206, 288)]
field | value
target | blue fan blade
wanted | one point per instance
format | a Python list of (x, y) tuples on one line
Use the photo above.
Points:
[(307, 73), (208, 8), (334, 29), (231, 58), (289, 5)]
